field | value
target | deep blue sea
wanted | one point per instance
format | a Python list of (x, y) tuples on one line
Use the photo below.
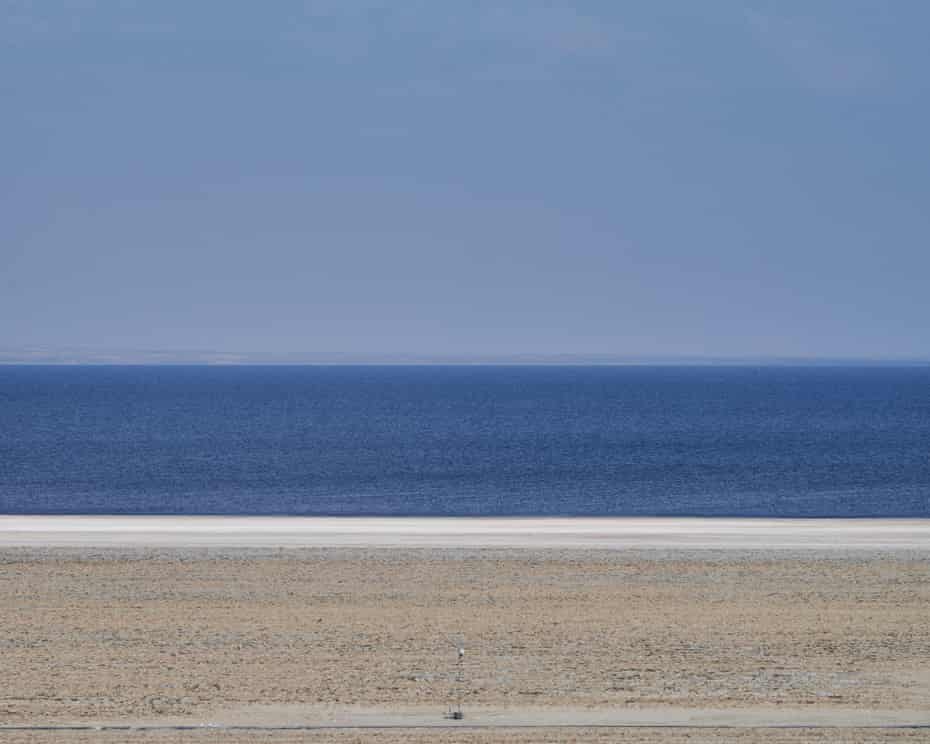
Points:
[(433, 440)]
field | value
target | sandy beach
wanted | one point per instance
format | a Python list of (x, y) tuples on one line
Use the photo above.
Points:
[(582, 622)]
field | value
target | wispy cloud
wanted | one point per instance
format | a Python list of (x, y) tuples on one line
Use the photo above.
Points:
[(522, 35), (816, 53), (558, 29), (493, 35), (31, 19)]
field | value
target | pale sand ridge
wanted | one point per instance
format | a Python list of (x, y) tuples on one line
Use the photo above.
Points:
[(696, 533)]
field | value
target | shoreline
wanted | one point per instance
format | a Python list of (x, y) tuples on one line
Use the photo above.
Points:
[(701, 533)]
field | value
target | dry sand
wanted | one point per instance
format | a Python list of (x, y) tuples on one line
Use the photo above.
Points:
[(664, 634)]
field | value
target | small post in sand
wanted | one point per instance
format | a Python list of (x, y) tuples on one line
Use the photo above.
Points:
[(458, 684)]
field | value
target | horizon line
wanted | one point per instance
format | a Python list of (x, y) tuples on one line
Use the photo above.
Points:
[(85, 356)]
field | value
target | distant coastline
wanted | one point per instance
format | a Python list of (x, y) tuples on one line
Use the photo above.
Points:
[(85, 356)]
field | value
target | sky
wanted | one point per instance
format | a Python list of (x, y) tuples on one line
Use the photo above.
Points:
[(637, 178)]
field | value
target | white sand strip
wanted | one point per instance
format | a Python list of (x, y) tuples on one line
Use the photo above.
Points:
[(614, 533)]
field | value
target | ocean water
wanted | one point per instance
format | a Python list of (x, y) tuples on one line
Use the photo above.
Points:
[(432, 440)]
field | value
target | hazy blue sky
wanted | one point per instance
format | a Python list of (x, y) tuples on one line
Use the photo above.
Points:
[(647, 177)]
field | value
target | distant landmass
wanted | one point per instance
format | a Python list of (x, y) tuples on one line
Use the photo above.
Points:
[(77, 355)]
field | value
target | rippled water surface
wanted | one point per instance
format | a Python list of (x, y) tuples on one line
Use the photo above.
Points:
[(766, 441)]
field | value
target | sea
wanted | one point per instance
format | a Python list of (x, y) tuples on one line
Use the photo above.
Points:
[(748, 441)]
